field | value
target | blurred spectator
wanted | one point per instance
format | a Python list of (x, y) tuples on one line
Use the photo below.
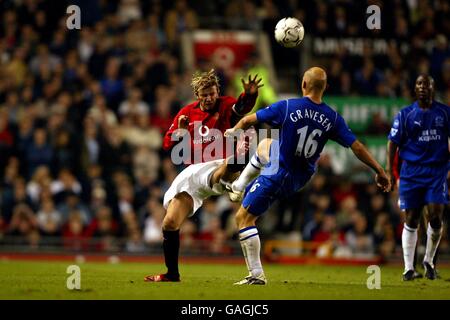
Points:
[(128, 11), (384, 236), (49, 219), (100, 113), (24, 223), (367, 78), (179, 19), (17, 196), (377, 125), (6, 137), (66, 183), (73, 231), (140, 133), (134, 105), (346, 212), (358, 238), (103, 228), (44, 59), (40, 179), (151, 217), (39, 152), (73, 204), (111, 84)]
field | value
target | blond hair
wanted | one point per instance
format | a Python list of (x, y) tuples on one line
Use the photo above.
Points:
[(202, 80)]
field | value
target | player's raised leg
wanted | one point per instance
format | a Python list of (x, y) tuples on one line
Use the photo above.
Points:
[(178, 210), (251, 170), (434, 233)]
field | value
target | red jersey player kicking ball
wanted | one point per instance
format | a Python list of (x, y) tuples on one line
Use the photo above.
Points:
[(203, 122)]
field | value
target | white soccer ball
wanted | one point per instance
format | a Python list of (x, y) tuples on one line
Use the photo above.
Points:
[(289, 32)]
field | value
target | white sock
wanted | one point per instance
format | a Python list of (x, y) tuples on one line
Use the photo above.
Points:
[(409, 240), (250, 172), (251, 247), (433, 239)]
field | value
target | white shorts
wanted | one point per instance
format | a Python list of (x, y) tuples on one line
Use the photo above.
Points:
[(194, 180)]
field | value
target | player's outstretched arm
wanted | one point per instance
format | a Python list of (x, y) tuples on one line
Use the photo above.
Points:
[(366, 157), (392, 148), (243, 124)]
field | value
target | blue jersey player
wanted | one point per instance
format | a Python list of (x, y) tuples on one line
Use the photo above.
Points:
[(420, 133), (305, 124)]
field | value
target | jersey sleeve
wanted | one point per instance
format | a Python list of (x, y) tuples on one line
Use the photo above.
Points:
[(274, 115), (396, 133), (244, 103), (342, 134)]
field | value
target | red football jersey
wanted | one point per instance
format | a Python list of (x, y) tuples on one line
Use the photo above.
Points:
[(205, 127)]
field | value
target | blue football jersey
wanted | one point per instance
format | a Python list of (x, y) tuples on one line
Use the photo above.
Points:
[(422, 135), (305, 128)]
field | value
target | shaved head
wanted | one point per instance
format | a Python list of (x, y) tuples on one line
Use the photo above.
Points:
[(314, 80)]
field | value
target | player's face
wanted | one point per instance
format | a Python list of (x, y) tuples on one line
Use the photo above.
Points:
[(424, 87), (208, 97)]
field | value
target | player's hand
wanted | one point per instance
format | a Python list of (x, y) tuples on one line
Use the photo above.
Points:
[(392, 180), (183, 122), (252, 86), (383, 181), (229, 133)]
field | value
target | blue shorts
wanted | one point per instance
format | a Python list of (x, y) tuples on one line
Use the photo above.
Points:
[(422, 185), (264, 190)]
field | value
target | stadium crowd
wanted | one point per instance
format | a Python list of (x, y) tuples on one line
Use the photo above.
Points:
[(83, 113)]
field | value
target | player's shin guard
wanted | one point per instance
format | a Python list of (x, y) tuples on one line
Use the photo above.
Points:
[(409, 240), (251, 247), (250, 172), (171, 246), (433, 239)]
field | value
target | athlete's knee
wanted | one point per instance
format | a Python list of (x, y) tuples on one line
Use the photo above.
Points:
[(244, 218), (436, 223), (170, 223), (435, 214), (263, 149), (412, 221)]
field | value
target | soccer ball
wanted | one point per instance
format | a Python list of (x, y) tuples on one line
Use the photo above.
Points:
[(289, 32)]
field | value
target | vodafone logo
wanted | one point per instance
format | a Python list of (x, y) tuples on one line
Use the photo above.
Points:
[(203, 130)]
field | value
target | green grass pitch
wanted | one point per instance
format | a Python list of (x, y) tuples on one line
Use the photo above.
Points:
[(47, 280)]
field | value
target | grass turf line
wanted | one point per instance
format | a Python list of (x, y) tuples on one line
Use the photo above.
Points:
[(45, 280)]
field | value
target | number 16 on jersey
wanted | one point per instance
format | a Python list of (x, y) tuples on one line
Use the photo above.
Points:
[(308, 148)]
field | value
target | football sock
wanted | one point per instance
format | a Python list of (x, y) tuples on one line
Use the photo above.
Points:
[(249, 173), (251, 247), (409, 240), (433, 239), (171, 246)]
